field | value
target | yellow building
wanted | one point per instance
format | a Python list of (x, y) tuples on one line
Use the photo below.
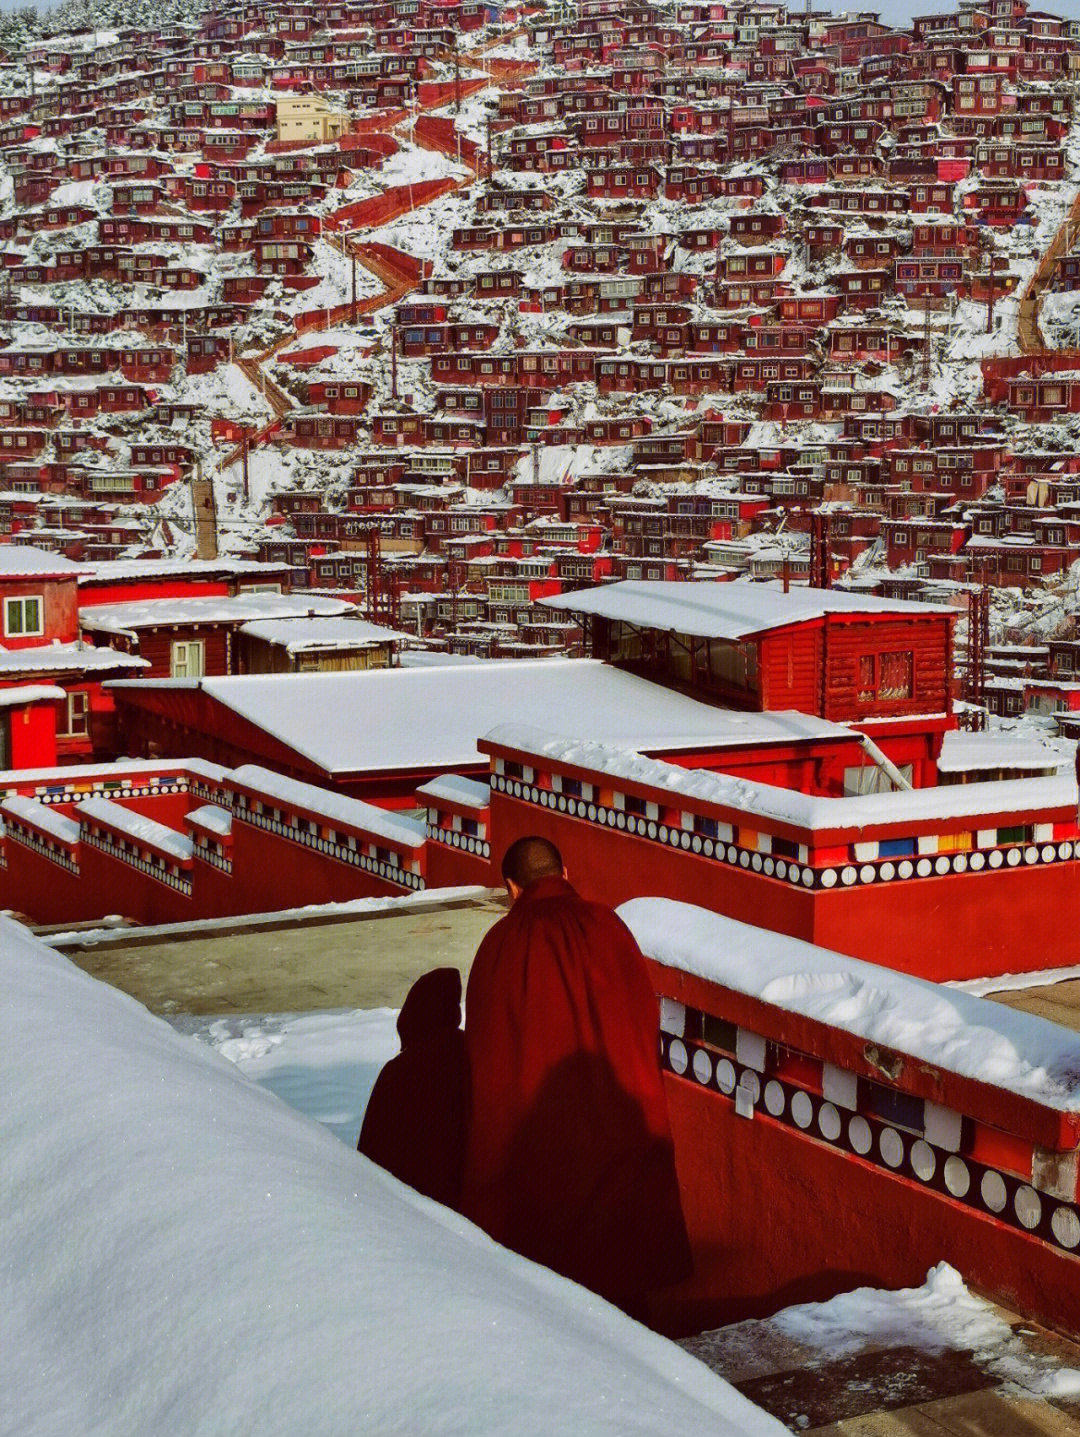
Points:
[(309, 119)]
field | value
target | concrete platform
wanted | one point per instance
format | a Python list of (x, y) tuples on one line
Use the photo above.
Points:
[(288, 963)]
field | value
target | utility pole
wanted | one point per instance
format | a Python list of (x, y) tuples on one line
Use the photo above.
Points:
[(393, 360), (244, 468), (352, 256)]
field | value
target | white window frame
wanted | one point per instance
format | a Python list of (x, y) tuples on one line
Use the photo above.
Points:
[(18, 628), (181, 653)]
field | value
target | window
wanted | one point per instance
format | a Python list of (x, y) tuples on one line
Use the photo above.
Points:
[(23, 618), (188, 659), (75, 718)]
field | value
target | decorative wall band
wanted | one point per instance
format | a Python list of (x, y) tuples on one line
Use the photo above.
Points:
[(351, 856), (29, 838), (466, 841), (999, 1195), (180, 882), (793, 871), (53, 793)]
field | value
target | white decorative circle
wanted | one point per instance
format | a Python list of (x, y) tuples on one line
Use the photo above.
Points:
[(677, 1056), (802, 1110), (744, 858), (1048, 853), (1012, 858), (960, 863), (620, 819), (1031, 855), (867, 873), (1066, 1227), (685, 841), (592, 812), (651, 830), (923, 1160), (993, 1191), (750, 1083), (1065, 850), (755, 862), (829, 1122), (702, 1066), (562, 803), (808, 877), (906, 868), (709, 847), (725, 1075), (1028, 1207), (957, 1177), (770, 867), (828, 878), (848, 876), (887, 872), (923, 867), (859, 1135), (942, 864), (781, 868), (891, 1147), (996, 859), (661, 834), (696, 843), (978, 862), (775, 1098)]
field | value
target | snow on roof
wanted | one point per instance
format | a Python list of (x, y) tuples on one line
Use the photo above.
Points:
[(455, 789), (970, 1036), (298, 634), (42, 816), (962, 752), (1021, 796), (222, 609), (17, 560), (112, 571), (21, 694), (337, 808), (723, 611), (218, 820), (430, 718), (136, 826), (54, 658), (199, 1203)]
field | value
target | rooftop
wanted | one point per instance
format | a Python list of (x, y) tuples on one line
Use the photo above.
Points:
[(725, 611)]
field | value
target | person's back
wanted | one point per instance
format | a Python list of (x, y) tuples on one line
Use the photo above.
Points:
[(570, 1159), (416, 1119)]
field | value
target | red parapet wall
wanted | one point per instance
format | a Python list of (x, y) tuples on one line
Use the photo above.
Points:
[(243, 847), (811, 1163), (942, 898)]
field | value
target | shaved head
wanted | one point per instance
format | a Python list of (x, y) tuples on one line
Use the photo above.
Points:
[(529, 859)]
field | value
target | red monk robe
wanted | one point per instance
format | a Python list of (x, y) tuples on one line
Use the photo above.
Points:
[(570, 1159)]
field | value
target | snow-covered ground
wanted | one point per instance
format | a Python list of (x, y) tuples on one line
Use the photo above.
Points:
[(182, 1254)]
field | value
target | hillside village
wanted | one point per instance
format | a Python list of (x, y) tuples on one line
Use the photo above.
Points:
[(425, 312)]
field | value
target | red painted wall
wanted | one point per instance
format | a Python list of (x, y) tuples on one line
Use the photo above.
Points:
[(959, 926)]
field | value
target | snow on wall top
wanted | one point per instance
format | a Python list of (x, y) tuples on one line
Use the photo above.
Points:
[(136, 826), (42, 816), (395, 828), (430, 718), (112, 570), (201, 1203), (455, 789), (152, 613), (962, 752), (723, 611), (952, 1030), (298, 634), (803, 810), (52, 658), (217, 820), (30, 694)]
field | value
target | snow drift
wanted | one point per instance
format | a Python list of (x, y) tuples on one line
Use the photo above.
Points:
[(181, 1253)]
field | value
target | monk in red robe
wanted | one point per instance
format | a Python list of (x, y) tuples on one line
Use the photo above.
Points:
[(414, 1126), (570, 1159)]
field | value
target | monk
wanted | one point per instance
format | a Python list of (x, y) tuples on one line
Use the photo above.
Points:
[(570, 1159), (414, 1125)]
